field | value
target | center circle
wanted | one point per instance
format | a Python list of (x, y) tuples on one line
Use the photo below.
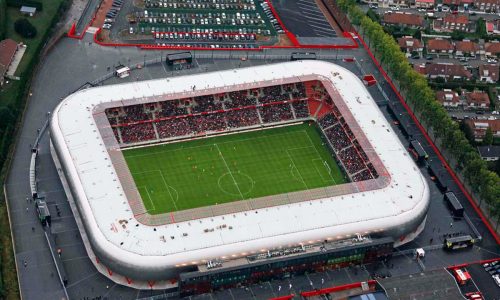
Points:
[(236, 184)]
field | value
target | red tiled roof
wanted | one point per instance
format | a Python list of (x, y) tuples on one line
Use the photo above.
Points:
[(446, 70), (409, 42), (8, 49), (403, 18), (456, 2), (478, 2), (489, 71), (466, 46), (493, 48), (439, 44), (457, 19), (425, 1), (477, 98), (493, 124), (447, 96)]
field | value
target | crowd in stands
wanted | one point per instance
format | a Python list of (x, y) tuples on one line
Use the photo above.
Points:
[(211, 113)]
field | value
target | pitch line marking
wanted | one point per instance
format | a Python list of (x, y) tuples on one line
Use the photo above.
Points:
[(293, 163), (229, 170), (168, 189), (317, 152), (149, 197)]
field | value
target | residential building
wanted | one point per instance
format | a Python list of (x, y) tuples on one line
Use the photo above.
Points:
[(404, 19), (479, 128), (440, 47), (477, 100), (456, 22), (491, 6), (444, 70), (448, 98), (410, 45), (489, 153), (8, 49), (493, 27), (492, 49), (454, 3), (424, 3), (466, 48), (489, 73)]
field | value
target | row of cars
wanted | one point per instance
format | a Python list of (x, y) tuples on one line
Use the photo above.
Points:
[(201, 4), (493, 269), (112, 13), (271, 17), (209, 45), (216, 18), (210, 36)]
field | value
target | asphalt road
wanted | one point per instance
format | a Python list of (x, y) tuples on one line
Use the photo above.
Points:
[(71, 64)]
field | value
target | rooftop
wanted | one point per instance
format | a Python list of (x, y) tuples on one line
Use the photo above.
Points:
[(490, 151), (8, 49), (104, 205), (404, 18), (477, 98), (439, 44), (489, 70)]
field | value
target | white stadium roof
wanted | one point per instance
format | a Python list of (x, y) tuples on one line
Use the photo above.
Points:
[(102, 203)]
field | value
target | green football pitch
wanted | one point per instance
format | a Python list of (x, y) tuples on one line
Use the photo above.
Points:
[(216, 170)]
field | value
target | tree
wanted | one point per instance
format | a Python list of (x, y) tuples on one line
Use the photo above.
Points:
[(481, 28), (24, 28), (488, 137)]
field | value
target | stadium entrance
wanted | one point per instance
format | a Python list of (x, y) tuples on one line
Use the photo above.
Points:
[(283, 263)]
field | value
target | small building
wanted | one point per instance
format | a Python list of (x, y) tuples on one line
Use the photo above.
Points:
[(448, 98), (403, 19), (477, 100), (491, 6), (452, 23), (489, 73), (440, 47), (8, 49), (492, 49), (424, 3), (410, 45), (479, 128), (28, 10), (466, 48), (444, 70), (456, 3), (493, 27), (489, 153)]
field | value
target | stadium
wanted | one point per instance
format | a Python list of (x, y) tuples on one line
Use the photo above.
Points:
[(197, 175)]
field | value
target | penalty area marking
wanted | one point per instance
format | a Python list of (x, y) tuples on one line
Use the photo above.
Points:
[(149, 197)]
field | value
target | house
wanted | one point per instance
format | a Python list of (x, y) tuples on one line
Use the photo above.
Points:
[(493, 27), (455, 3), (8, 49), (456, 22), (448, 98), (489, 73), (466, 48), (424, 3), (28, 10), (492, 49), (440, 47), (404, 19), (477, 100), (410, 45), (444, 70), (489, 153), (491, 6), (479, 128)]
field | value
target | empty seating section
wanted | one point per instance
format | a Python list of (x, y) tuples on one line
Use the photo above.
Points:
[(238, 109)]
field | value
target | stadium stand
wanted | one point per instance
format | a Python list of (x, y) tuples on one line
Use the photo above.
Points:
[(173, 119)]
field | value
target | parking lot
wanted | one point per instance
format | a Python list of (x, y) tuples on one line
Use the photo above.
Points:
[(484, 280), (196, 23)]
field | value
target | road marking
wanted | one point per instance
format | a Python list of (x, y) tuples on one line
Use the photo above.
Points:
[(229, 170)]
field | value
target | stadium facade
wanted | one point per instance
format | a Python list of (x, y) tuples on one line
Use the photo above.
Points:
[(135, 248)]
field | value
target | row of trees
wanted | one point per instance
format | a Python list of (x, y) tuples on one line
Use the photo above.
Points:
[(461, 155)]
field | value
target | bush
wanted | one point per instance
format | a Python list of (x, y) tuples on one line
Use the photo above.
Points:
[(24, 28)]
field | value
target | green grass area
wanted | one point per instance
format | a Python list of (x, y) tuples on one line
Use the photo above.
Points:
[(233, 167)]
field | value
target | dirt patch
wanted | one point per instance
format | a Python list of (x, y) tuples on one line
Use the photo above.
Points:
[(101, 13), (283, 40), (139, 3)]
